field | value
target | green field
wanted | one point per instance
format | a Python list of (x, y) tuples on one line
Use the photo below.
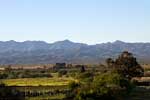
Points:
[(37, 81)]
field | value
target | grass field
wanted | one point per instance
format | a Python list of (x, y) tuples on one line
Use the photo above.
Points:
[(37, 81)]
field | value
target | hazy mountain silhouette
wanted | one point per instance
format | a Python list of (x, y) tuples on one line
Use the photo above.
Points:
[(33, 52)]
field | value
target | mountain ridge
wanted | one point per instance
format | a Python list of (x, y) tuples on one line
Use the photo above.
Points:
[(67, 40), (37, 52)]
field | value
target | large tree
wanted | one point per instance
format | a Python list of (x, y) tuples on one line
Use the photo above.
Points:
[(127, 65)]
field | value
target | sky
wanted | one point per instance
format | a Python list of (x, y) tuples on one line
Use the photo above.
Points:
[(86, 21)]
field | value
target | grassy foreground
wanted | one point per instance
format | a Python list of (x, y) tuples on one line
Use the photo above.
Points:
[(37, 81)]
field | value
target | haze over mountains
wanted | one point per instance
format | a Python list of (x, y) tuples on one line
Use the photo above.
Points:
[(37, 52)]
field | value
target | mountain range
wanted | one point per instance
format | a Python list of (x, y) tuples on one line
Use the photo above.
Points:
[(39, 52)]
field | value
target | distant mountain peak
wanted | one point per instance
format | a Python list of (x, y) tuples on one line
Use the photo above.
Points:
[(118, 42), (64, 42), (67, 41), (11, 41)]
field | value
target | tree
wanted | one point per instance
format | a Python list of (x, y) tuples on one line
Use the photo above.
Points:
[(109, 62), (62, 72), (8, 68), (82, 69), (127, 65)]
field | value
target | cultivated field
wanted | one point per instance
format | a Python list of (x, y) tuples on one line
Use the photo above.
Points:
[(37, 81)]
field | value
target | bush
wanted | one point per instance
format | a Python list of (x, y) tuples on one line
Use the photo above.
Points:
[(86, 77), (72, 85), (105, 86), (62, 72)]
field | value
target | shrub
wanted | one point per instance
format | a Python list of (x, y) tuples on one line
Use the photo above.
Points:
[(105, 86), (62, 72)]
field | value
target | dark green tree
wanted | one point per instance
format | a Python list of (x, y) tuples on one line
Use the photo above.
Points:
[(82, 69), (127, 65)]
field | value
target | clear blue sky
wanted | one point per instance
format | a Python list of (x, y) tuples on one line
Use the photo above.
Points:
[(87, 21)]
